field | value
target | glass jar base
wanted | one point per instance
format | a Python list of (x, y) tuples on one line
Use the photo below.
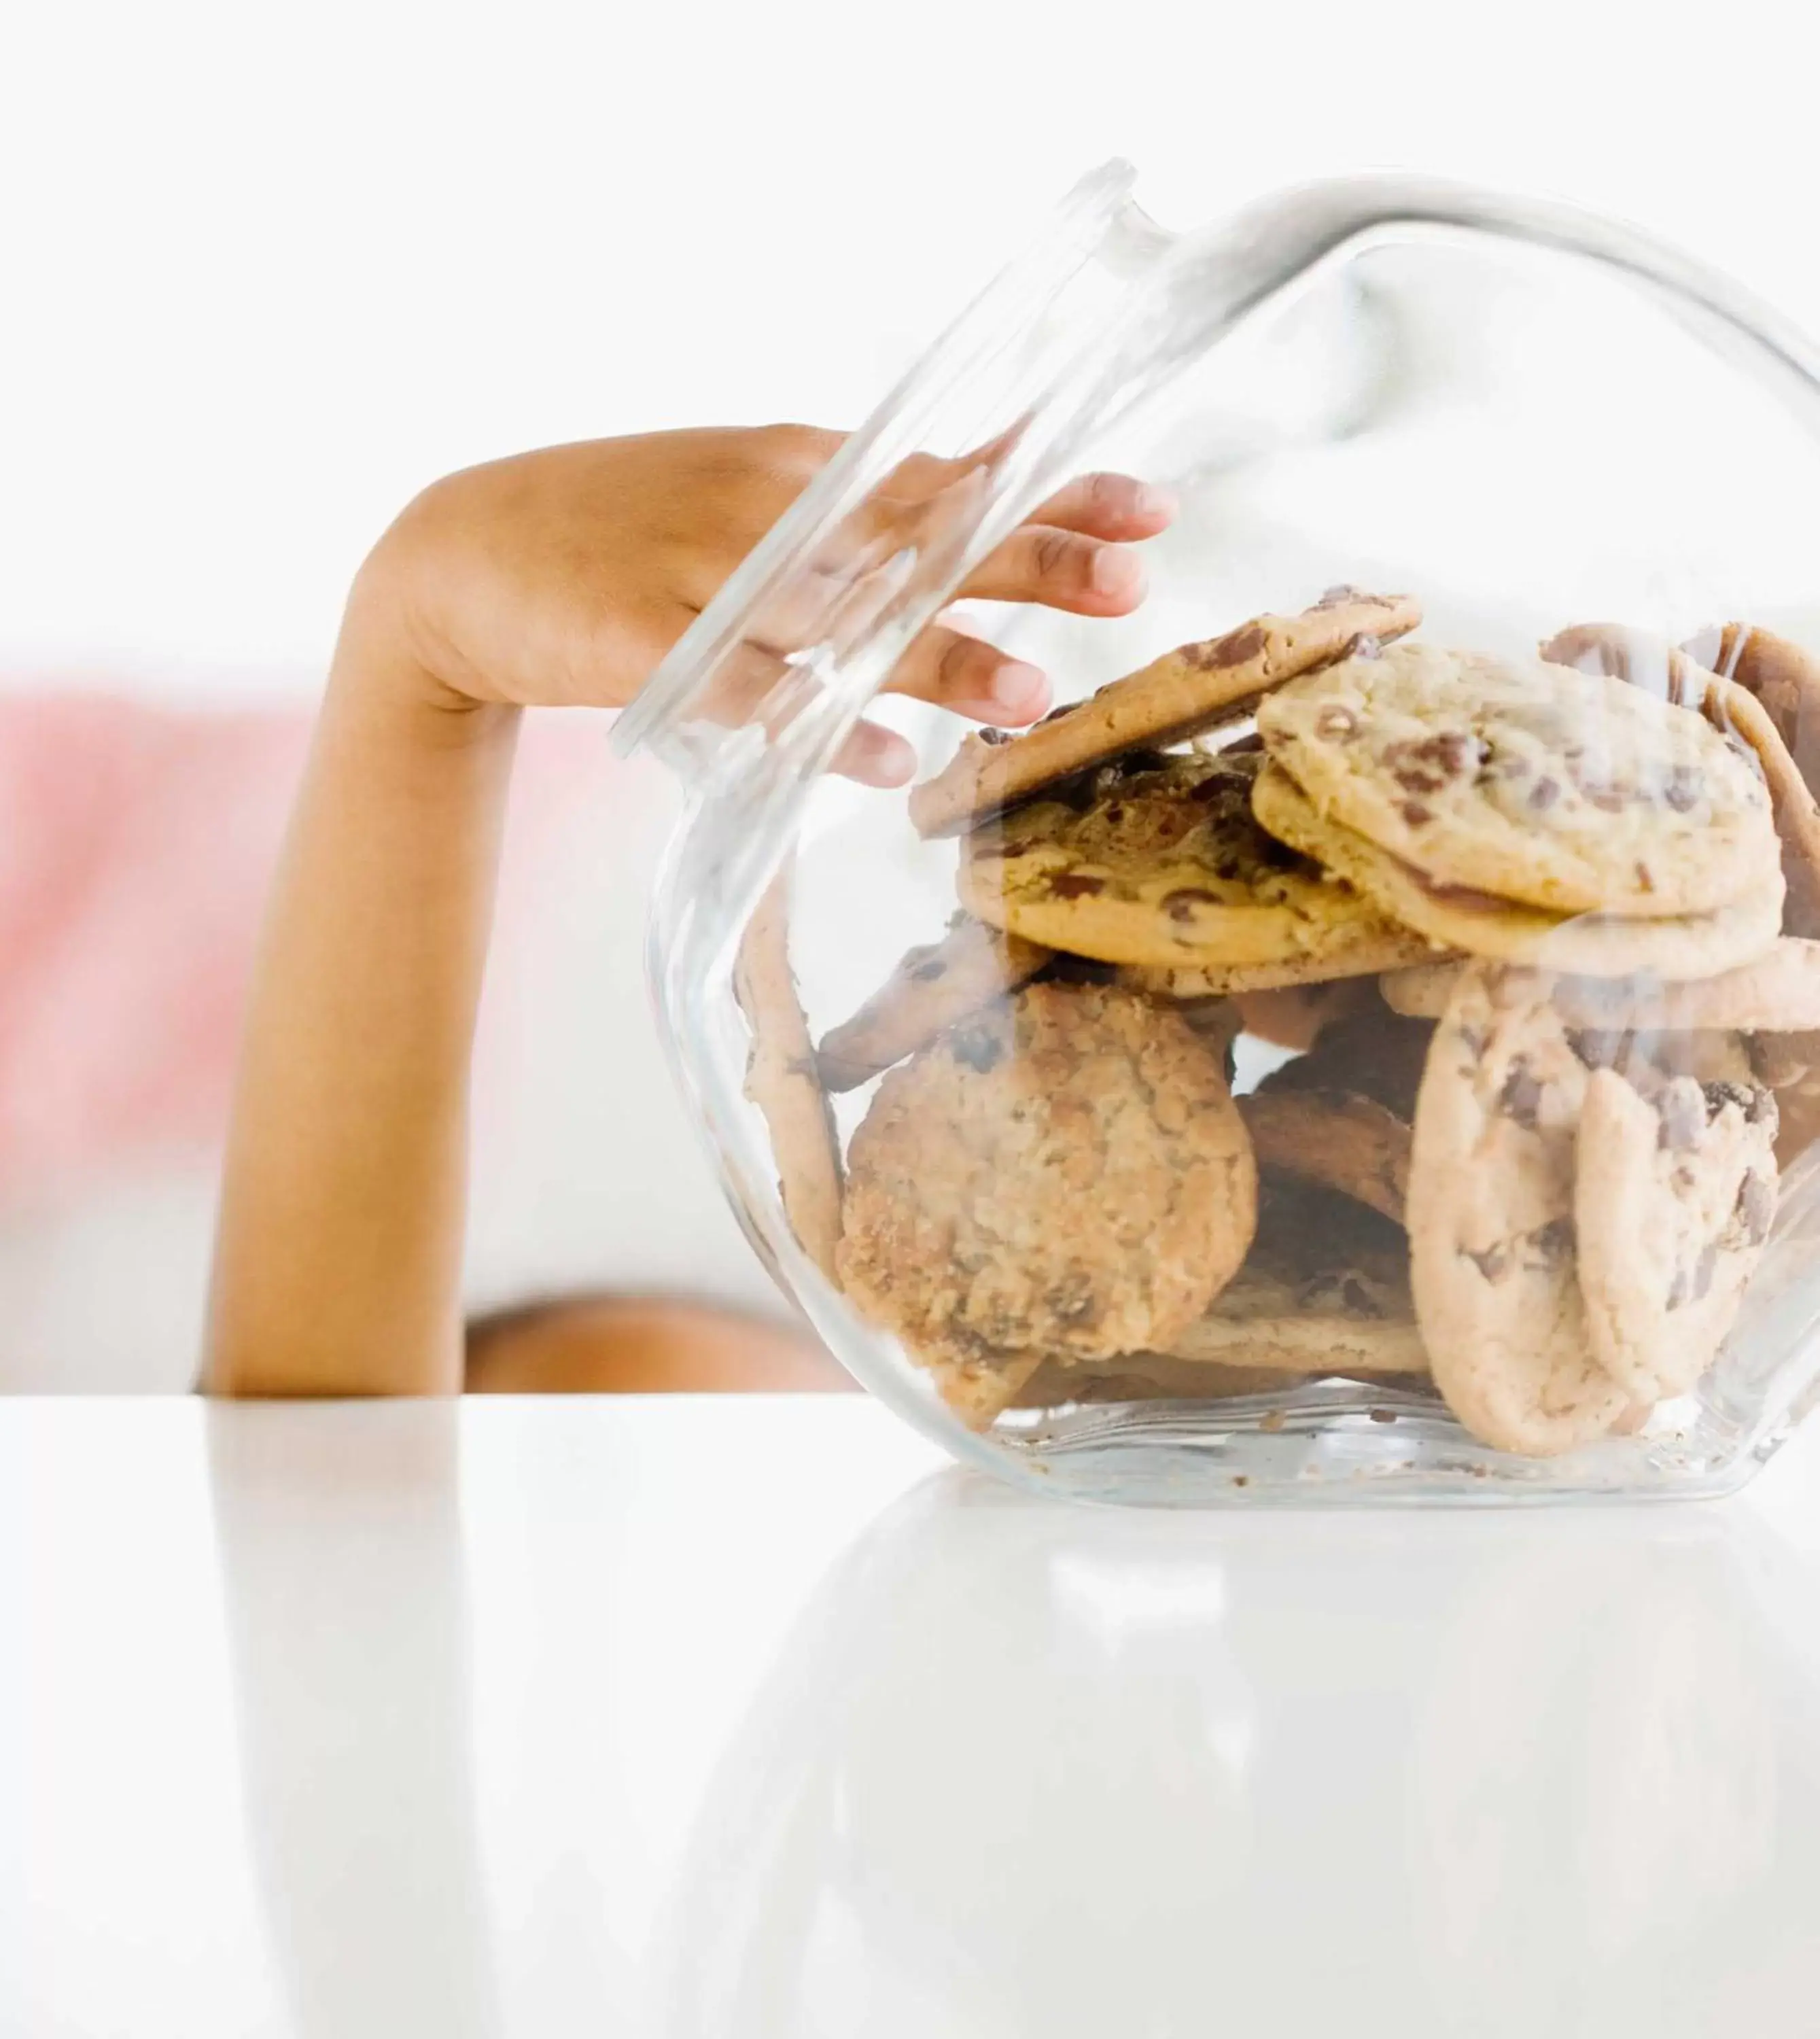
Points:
[(1337, 1445)]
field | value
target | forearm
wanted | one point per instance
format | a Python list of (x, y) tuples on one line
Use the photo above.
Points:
[(339, 1251)]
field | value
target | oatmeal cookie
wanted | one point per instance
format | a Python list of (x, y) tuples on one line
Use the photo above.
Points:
[(1064, 1175)]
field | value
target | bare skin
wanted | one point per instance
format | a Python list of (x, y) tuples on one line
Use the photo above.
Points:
[(555, 578)]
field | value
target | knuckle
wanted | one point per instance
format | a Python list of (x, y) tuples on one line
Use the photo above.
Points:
[(796, 446), (1056, 554)]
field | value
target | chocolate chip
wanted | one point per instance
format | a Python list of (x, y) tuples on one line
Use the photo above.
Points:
[(1720, 1095), (1115, 814), (1683, 791), (1599, 1049), (1180, 905), (1358, 1298), (1072, 885), (1495, 1263), (1691, 1284), (994, 735), (1544, 794), (1341, 595), (1415, 813), (1234, 649), (1681, 1109), (1055, 714), (1553, 1244), (1335, 722), (1756, 1207), (1383, 1415), (979, 1048), (926, 972), (1609, 799), (1367, 644), (1645, 882), (1521, 1098)]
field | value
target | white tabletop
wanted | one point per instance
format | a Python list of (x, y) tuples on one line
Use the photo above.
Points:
[(748, 1719)]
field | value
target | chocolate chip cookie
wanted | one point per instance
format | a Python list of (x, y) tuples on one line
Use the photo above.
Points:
[(1325, 1290), (1335, 1138), (1064, 1175), (1674, 1197), (931, 988), (1181, 693), (1453, 917), (1778, 992), (1156, 861), (1569, 792), (1735, 712), (1493, 1259)]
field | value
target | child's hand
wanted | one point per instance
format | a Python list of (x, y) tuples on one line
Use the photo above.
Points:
[(562, 578)]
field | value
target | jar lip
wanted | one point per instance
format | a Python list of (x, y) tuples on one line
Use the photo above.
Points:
[(1197, 287)]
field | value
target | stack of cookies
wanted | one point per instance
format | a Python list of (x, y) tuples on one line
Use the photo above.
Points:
[(1523, 922)]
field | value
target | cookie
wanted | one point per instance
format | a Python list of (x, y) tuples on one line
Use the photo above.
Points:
[(1491, 1213), (1569, 792), (930, 988), (1146, 1377), (1373, 1053), (1293, 1015), (1777, 993), (1325, 1290), (1335, 1138), (781, 1080), (1063, 1175), (1452, 918), (1781, 675), (1733, 711), (1674, 1199), (1156, 861), (1181, 693)]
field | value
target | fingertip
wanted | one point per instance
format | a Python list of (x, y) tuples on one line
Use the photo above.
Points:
[(1118, 577), (876, 757), (1020, 692)]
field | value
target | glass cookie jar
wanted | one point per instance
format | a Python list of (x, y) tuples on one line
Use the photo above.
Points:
[(1364, 1046)]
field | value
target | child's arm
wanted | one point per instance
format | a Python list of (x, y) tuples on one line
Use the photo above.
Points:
[(558, 577)]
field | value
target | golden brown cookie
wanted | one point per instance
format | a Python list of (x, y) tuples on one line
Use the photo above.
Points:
[(1779, 992), (1335, 1138), (1675, 1192), (1453, 917), (781, 1080), (1783, 677), (1325, 1290), (931, 988), (1492, 1235), (1293, 1016), (1565, 791), (1156, 861), (1066, 1174), (1734, 711), (1178, 694)]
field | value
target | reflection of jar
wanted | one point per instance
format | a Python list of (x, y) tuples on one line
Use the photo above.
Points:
[(1192, 1773), (1511, 1227)]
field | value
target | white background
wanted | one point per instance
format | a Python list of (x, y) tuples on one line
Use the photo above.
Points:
[(268, 268)]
